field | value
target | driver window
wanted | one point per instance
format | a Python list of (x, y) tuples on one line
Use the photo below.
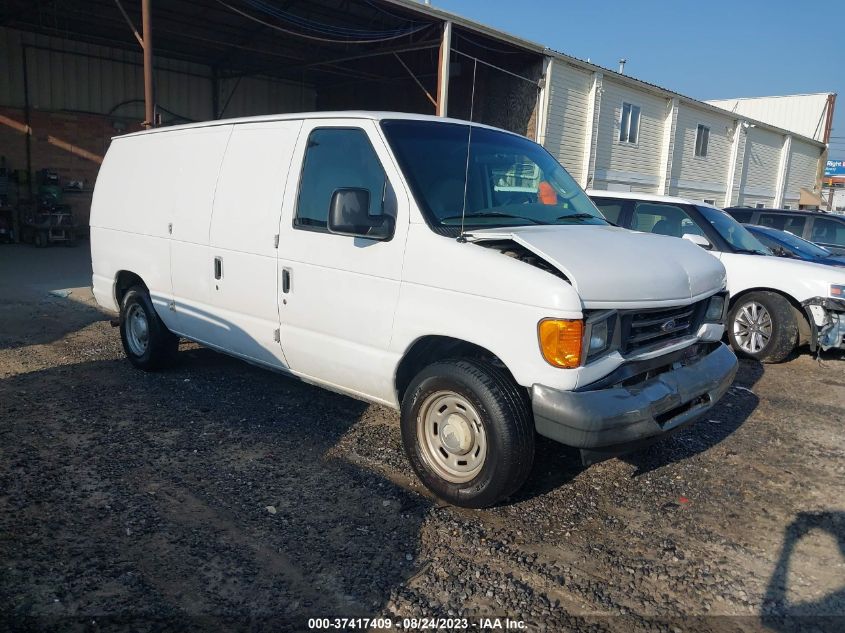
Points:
[(663, 219), (336, 158)]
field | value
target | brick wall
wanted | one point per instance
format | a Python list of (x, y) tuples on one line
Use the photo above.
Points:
[(71, 143)]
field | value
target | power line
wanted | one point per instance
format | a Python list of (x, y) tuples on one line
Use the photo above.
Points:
[(315, 38), (319, 27)]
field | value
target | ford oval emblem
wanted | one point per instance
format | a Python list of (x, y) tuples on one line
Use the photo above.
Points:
[(668, 326)]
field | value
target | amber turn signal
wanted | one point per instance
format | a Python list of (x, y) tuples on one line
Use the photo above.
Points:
[(561, 341)]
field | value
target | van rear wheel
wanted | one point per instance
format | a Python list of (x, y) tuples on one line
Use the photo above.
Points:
[(468, 432), (148, 343)]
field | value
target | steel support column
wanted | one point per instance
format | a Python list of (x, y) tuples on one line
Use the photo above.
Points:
[(443, 70), (149, 96)]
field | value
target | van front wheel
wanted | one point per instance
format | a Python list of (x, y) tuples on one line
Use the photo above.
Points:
[(148, 343), (468, 432)]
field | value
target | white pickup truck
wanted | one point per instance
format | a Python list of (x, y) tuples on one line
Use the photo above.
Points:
[(777, 304), (455, 272)]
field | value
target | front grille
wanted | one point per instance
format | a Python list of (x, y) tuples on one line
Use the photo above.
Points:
[(647, 329)]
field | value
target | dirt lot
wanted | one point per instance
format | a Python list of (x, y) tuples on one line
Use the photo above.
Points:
[(219, 496)]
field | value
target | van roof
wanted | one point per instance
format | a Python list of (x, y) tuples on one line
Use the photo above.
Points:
[(293, 116), (646, 197)]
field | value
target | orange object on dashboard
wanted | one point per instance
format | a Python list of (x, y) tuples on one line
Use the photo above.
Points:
[(546, 193)]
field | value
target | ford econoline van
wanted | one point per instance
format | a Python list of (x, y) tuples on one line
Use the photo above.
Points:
[(454, 272)]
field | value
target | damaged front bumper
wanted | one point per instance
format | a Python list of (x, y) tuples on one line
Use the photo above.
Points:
[(636, 405), (827, 322)]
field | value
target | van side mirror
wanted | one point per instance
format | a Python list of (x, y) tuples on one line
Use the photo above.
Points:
[(699, 240), (349, 214)]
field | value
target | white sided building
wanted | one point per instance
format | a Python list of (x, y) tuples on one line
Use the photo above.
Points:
[(615, 132)]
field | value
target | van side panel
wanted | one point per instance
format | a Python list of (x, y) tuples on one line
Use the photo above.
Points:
[(151, 215), (244, 227), (130, 217)]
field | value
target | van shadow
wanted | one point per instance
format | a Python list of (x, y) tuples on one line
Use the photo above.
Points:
[(556, 465), (42, 320), (196, 498), (825, 614), (29, 313)]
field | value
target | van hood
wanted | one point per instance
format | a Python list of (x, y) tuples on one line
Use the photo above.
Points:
[(609, 266)]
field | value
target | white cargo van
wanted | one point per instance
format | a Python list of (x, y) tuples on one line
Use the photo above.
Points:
[(454, 272)]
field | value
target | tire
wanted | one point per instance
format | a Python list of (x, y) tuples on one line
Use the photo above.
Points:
[(758, 315), (495, 419), (148, 343)]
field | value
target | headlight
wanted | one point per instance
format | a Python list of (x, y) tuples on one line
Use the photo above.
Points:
[(837, 291), (715, 308), (598, 337), (600, 332)]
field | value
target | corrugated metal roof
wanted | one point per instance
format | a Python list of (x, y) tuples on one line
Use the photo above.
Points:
[(803, 114)]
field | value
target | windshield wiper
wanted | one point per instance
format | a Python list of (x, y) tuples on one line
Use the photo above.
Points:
[(578, 216), (491, 214), (748, 251)]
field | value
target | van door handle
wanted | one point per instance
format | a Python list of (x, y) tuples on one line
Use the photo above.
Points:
[(286, 280), (218, 267)]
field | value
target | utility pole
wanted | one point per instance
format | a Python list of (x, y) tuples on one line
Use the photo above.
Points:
[(830, 195)]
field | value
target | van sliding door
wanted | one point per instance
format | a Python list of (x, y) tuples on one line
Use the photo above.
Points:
[(242, 242), (198, 154)]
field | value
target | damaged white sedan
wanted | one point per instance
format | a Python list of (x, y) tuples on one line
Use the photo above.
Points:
[(776, 305)]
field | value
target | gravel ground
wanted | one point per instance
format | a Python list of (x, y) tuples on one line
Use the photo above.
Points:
[(218, 496)]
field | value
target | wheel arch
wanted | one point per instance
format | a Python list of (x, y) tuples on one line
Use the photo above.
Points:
[(432, 348), (123, 281)]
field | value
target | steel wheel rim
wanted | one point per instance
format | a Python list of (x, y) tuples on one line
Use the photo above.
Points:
[(137, 329), (451, 437), (752, 327)]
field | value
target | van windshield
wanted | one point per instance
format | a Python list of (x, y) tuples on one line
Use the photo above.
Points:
[(511, 181)]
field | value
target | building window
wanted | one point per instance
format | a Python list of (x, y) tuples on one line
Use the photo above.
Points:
[(629, 126), (786, 206), (759, 205), (710, 201), (702, 140)]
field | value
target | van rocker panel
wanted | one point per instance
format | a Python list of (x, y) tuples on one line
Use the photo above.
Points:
[(618, 419)]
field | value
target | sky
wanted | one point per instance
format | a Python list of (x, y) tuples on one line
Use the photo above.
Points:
[(714, 49)]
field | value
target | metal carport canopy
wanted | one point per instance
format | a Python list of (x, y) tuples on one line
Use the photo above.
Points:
[(313, 42)]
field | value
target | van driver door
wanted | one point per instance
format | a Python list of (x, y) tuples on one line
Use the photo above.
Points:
[(337, 293)]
